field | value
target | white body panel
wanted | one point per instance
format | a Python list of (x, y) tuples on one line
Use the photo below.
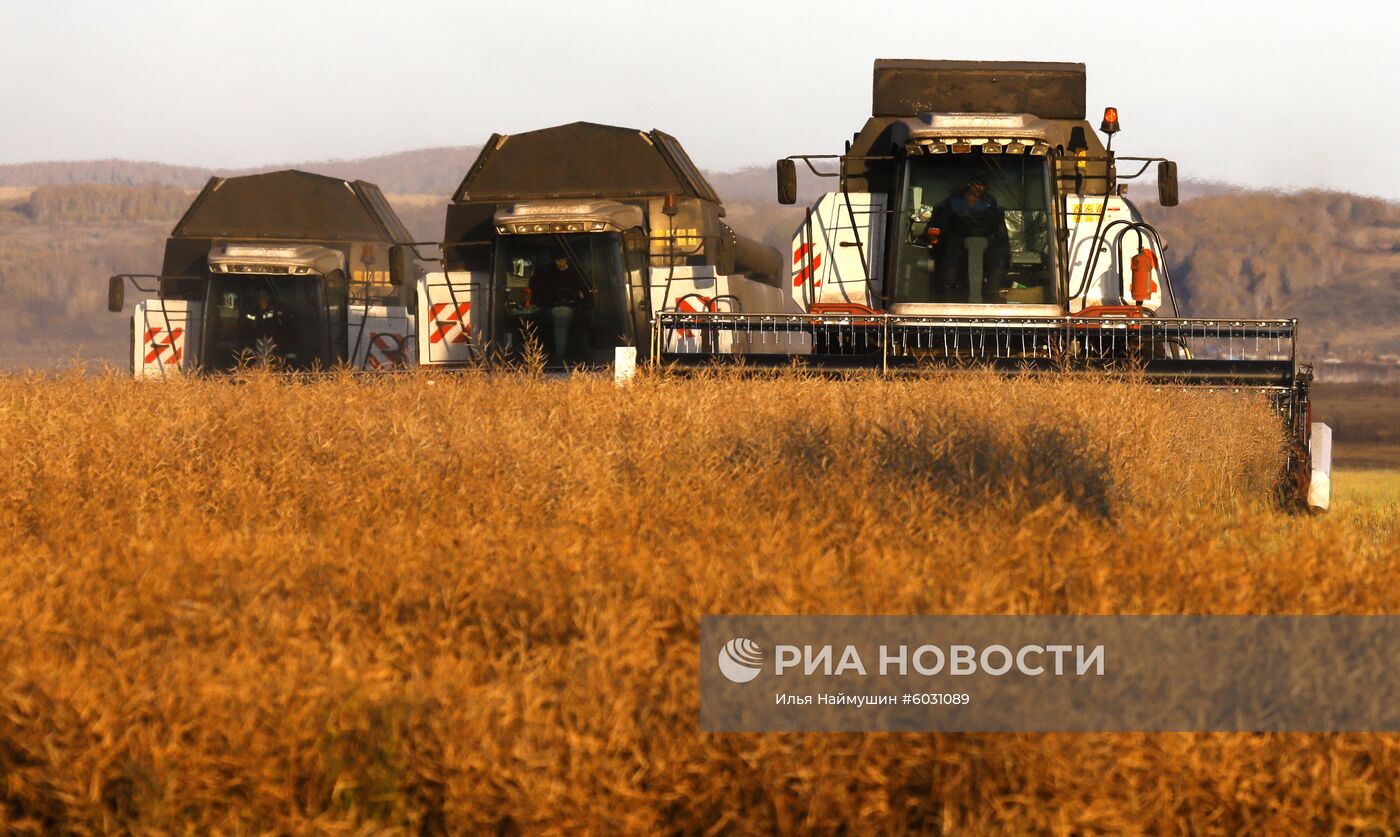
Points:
[(381, 338), (699, 289), (165, 337), (1111, 283), (838, 251), (452, 308)]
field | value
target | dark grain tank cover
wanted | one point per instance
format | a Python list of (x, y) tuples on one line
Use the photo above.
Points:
[(291, 205), (582, 160), (1050, 90)]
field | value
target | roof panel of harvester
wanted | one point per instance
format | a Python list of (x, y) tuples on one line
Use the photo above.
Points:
[(908, 87), (291, 205), (582, 159)]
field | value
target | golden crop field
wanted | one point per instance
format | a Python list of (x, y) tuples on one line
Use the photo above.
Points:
[(457, 603)]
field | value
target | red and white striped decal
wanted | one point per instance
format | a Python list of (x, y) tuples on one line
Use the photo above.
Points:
[(386, 351), (810, 269), (452, 328), (686, 306), (156, 347)]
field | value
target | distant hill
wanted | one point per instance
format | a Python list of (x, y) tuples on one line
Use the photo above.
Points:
[(114, 172), (427, 171), (1332, 260)]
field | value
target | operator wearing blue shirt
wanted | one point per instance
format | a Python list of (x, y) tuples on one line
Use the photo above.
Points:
[(970, 213)]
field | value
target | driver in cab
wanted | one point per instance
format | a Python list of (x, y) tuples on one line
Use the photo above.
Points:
[(558, 289), (557, 283), (264, 321), (966, 229)]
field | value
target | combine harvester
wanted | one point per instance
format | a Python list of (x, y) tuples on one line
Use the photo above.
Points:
[(578, 236), (293, 268), (608, 225), (977, 219)]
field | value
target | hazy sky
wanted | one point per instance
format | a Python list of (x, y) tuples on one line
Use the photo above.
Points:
[(1256, 93)]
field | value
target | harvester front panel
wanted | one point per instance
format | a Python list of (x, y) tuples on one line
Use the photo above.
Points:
[(700, 290), (450, 316), (163, 331), (1115, 257), (837, 252), (382, 338)]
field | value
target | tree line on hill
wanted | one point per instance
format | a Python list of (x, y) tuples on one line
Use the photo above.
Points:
[(428, 171)]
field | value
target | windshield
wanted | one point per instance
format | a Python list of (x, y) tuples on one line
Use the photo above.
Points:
[(975, 228), (252, 317), (569, 290)]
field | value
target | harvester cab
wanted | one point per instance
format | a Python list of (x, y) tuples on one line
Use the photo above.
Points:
[(978, 218), (568, 240), (980, 190), (290, 269)]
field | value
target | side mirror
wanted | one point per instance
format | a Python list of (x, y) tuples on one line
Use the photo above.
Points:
[(787, 182), (1166, 183), (116, 293), (400, 263)]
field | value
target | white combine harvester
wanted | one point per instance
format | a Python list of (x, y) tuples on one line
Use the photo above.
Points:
[(296, 269), (977, 218), (577, 236), (314, 272)]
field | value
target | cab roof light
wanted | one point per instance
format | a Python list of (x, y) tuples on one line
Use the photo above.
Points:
[(1110, 121)]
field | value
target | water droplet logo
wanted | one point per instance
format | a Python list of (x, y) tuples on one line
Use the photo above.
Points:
[(740, 660)]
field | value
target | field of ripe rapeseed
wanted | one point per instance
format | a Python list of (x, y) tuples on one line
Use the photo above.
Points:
[(456, 603)]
